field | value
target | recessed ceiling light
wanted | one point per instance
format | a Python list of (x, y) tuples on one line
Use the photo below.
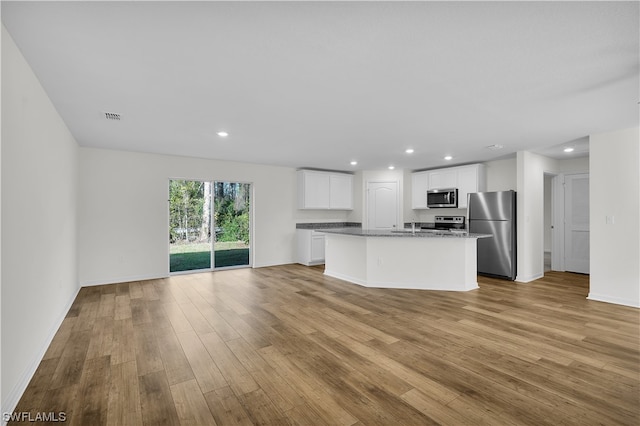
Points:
[(223, 134), (409, 150), (391, 167), (568, 149), (448, 157), (353, 163)]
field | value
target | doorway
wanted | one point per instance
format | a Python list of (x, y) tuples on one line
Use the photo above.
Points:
[(570, 222), (209, 225)]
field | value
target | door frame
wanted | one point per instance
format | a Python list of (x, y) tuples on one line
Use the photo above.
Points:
[(557, 222)]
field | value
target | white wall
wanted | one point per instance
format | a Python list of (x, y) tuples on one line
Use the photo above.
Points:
[(358, 196), (530, 213), (123, 212), (39, 187), (2, 405), (574, 165), (615, 247), (502, 175)]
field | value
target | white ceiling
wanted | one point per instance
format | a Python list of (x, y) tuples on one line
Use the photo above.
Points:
[(317, 84)]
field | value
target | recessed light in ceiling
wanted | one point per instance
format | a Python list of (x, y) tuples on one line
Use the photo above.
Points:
[(494, 146), (409, 150), (223, 134), (448, 157), (391, 167), (568, 149), (354, 163)]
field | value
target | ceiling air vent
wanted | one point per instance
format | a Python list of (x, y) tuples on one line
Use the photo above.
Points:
[(112, 116)]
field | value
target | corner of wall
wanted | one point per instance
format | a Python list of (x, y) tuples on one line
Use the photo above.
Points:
[(44, 292), (614, 164)]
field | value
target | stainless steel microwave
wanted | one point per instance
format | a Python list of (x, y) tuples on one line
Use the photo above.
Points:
[(440, 198)]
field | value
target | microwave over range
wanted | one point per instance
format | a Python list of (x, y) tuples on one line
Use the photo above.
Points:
[(440, 198)]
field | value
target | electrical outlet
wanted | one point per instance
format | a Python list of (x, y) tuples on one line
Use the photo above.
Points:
[(610, 220)]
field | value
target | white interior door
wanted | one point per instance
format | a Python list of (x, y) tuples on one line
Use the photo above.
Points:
[(382, 205), (576, 226)]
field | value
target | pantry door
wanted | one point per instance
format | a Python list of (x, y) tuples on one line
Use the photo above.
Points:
[(382, 205)]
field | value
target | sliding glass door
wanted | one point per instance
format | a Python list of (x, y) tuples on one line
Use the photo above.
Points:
[(231, 212), (189, 225), (209, 225)]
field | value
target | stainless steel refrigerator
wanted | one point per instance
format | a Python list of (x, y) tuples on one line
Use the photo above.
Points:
[(494, 213)]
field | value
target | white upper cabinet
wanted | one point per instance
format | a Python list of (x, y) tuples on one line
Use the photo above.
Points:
[(470, 179), (419, 187), (313, 190), (467, 179), (443, 178), (341, 191), (324, 190)]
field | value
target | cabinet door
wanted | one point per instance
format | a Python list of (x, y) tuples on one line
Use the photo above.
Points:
[(467, 183), (470, 179), (419, 187), (315, 190), (341, 192), (444, 178), (317, 247)]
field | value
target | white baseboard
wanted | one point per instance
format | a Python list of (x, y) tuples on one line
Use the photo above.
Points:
[(612, 299), (10, 401), (528, 279), (117, 280), (344, 277), (269, 264), (400, 286)]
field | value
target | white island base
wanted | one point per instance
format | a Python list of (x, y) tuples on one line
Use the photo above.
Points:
[(407, 263)]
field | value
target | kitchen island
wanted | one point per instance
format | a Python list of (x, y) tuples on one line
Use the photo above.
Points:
[(426, 260)]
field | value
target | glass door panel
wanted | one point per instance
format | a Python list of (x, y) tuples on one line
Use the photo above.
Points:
[(189, 225), (232, 224)]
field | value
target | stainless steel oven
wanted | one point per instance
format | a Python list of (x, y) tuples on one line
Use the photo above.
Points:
[(448, 223)]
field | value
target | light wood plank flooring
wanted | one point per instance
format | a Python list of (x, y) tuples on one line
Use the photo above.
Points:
[(287, 345)]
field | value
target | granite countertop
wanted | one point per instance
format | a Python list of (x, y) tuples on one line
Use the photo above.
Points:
[(403, 233)]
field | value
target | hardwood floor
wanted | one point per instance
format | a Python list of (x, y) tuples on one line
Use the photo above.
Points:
[(287, 345)]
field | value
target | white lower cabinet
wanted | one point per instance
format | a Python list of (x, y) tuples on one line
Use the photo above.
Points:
[(310, 249)]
